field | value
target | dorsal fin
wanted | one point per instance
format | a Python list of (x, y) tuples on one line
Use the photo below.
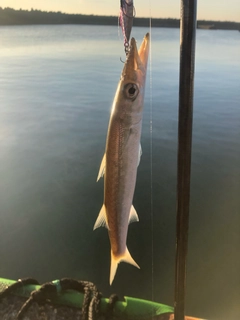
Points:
[(133, 216)]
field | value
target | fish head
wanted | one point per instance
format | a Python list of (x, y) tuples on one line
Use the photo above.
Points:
[(133, 77)]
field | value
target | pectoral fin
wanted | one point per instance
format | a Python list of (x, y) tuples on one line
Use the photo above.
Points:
[(101, 219), (102, 167), (133, 215)]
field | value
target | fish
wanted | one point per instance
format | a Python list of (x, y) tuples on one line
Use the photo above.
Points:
[(126, 16), (122, 154)]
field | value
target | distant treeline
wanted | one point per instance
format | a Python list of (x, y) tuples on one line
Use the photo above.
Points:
[(9, 16)]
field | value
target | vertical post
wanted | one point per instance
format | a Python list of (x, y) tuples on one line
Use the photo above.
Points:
[(186, 87)]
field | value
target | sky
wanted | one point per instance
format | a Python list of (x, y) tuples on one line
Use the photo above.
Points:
[(223, 10)]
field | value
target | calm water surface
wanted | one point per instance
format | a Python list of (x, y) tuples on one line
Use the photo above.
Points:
[(56, 88)]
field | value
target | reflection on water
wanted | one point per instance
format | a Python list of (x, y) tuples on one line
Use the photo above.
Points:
[(57, 86)]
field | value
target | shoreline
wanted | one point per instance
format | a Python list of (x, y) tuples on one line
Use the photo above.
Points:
[(11, 17)]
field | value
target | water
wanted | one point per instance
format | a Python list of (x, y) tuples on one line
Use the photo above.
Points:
[(56, 90)]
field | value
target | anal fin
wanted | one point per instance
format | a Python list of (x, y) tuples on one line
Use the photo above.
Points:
[(101, 219), (139, 153), (102, 167)]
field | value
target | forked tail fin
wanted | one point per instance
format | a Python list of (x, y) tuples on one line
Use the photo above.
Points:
[(126, 257)]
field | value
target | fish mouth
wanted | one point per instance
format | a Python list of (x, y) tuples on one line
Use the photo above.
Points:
[(137, 59)]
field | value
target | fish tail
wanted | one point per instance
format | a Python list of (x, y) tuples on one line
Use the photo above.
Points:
[(115, 260)]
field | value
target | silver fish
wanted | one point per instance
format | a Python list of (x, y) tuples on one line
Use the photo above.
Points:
[(122, 154)]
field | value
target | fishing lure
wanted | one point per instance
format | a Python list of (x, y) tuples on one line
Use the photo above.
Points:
[(127, 13)]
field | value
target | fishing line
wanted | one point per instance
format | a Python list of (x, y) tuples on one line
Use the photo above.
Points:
[(151, 143)]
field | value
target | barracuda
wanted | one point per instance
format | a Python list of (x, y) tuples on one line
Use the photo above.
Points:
[(122, 154)]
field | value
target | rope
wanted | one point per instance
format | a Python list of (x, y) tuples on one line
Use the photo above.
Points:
[(48, 292), (112, 300)]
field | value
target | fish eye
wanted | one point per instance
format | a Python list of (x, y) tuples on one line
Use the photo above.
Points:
[(131, 91)]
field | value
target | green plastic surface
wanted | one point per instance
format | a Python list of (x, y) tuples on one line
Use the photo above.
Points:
[(129, 307)]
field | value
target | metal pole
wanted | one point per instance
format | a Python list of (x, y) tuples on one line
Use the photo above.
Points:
[(186, 86)]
